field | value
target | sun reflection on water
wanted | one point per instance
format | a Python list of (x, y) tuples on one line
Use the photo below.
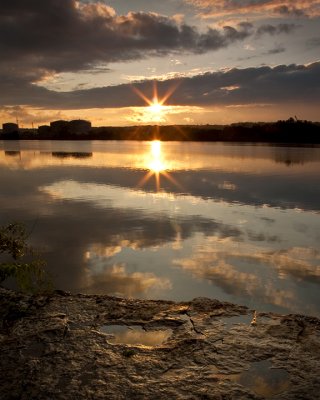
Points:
[(157, 166), (157, 163)]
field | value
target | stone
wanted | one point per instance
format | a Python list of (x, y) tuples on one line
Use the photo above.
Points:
[(53, 347)]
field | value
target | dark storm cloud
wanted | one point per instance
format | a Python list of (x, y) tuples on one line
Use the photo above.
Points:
[(41, 38), (281, 84)]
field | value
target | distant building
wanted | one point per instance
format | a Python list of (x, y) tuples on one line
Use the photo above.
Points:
[(9, 128), (59, 127), (44, 130), (79, 127), (63, 128)]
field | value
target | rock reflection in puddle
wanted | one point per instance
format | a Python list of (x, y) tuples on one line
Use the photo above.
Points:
[(135, 335), (264, 380)]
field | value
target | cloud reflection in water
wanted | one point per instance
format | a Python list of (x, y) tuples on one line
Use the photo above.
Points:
[(241, 229)]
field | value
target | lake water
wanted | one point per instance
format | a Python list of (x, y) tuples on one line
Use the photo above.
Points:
[(239, 223)]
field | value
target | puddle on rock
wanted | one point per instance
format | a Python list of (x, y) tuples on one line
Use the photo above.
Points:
[(264, 380), (135, 335), (237, 319)]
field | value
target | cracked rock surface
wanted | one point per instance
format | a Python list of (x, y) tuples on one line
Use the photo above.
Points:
[(58, 346)]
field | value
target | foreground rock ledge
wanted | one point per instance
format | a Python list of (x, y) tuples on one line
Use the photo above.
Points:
[(52, 347)]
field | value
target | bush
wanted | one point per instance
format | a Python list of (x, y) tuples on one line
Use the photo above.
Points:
[(19, 260)]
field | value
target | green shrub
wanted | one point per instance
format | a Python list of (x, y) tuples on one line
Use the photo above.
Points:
[(19, 260)]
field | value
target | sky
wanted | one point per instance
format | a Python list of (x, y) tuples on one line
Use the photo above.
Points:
[(120, 62)]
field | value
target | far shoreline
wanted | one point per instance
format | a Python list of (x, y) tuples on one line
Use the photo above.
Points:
[(292, 131)]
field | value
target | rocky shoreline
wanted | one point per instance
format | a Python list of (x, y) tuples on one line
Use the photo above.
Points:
[(61, 346)]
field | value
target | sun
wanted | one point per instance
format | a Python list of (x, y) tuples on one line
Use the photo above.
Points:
[(156, 111), (156, 107)]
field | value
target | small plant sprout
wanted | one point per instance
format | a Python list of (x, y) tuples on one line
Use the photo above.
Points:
[(254, 319)]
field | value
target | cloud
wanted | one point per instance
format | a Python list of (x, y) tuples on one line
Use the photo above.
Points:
[(116, 280), (313, 42), (299, 8), (290, 11), (276, 29), (276, 50), (40, 39), (302, 263), (214, 261), (221, 261), (261, 85), (27, 116)]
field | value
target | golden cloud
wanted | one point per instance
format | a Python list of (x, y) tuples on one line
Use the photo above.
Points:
[(297, 8)]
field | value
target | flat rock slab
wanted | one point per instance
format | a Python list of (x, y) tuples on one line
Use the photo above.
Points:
[(59, 346)]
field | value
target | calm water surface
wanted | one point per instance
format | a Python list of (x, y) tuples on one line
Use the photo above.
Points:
[(239, 223)]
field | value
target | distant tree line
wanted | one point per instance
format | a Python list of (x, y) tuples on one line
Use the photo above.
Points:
[(291, 130)]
